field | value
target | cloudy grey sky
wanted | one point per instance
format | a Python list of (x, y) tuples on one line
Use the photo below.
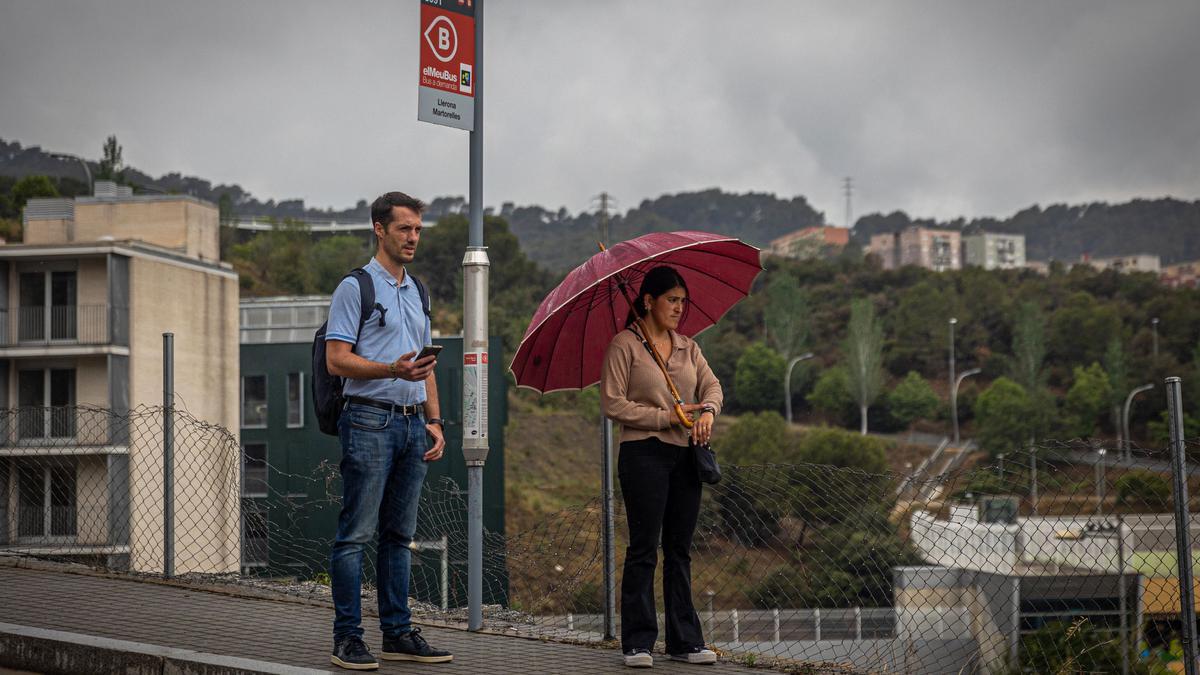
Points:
[(937, 107)]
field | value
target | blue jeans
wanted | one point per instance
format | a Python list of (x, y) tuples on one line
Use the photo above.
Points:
[(383, 468)]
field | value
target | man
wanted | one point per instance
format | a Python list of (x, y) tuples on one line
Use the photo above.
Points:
[(392, 404)]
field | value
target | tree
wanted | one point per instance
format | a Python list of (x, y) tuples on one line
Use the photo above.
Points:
[(831, 396), (786, 315), (32, 187), (1081, 329), (1087, 399), (1117, 368), (758, 382), (912, 399), (111, 166), (864, 357), (1002, 412), (1029, 347), (918, 322)]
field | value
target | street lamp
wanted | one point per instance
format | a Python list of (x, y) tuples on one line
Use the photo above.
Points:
[(1110, 530), (787, 382), (1125, 443), (86, 171), (1154, 326), (954, 398), (953, 321)]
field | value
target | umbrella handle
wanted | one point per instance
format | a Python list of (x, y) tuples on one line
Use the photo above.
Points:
[(683, 418)]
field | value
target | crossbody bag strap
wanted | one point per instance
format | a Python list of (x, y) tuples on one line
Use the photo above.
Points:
[(683, 418)]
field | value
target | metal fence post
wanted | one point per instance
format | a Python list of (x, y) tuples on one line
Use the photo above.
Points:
[(1183, 544), (168, 455), (607, 529)]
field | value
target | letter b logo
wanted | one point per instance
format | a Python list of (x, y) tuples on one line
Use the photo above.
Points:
[(443, 39)]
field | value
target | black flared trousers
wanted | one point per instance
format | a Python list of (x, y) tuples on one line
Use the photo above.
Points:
[(662, 500)]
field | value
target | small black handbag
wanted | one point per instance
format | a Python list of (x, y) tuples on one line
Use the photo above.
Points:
[(706, 463)]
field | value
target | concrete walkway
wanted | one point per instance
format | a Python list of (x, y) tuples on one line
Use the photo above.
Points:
[(55, 621)]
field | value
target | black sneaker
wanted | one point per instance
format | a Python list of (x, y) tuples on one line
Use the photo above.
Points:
[(700, 655), (639, 658), (411, 646), (352, 653)]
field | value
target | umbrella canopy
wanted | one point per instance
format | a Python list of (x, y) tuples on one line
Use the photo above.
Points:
[(564, 346)]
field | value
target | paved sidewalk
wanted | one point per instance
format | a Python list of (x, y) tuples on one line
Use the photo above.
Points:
[(290, 634)]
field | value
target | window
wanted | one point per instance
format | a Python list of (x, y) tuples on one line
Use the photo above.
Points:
[(48, 305), (254, 401), (45, 501), (255, 535), (47, 403), (254, 470), (295, 399)]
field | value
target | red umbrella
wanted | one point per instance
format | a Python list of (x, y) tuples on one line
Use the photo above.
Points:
[(564, 345)]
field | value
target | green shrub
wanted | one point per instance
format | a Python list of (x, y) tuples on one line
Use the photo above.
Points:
[(911, 400), (1143, 488), (758, 382), (831, 397)]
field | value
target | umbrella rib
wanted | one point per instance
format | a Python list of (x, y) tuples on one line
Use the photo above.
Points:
[(710, 276)]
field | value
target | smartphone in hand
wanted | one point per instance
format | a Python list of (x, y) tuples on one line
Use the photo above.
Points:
[(428, 350)]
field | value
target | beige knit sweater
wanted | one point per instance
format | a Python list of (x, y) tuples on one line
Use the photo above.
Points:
[(634, 393)]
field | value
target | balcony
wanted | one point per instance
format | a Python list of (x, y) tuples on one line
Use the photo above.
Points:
[(62, 430), (42, 327)]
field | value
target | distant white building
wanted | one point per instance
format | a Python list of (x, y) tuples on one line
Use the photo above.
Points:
[(994, 250), (1140, 262), (937, 250)]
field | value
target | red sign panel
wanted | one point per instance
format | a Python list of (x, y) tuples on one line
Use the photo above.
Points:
[(448, 46)]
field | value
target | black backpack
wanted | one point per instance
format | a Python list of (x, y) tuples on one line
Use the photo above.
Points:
[(328, 400)]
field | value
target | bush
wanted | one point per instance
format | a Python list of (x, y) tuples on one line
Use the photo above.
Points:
[(756, 438), (1078, 647), (1143, 488), (911, 400), (1002, 412), (831, 397), (758, 382), (783, 587)]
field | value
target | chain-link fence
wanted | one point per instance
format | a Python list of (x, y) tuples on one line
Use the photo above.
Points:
[(1060, 557)]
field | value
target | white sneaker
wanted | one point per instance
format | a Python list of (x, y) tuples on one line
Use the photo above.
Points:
[(697, 655), (639, 658)]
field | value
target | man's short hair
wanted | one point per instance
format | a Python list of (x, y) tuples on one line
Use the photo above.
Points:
[(381, 209)]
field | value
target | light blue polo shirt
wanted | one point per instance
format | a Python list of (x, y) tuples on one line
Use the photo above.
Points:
[(406, 329)]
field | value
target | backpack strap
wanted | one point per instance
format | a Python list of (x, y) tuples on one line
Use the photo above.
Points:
[(423, 292), (366, 295)]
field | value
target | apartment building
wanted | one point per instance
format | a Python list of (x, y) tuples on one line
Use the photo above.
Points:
[(1140, 262), (1181, 275), (84, 301), (994, 250), (938, 250), (810, 242)]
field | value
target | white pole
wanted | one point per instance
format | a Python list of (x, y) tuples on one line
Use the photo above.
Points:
[(787, 382)]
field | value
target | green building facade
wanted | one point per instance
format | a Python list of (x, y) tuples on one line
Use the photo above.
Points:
[(291, 483)]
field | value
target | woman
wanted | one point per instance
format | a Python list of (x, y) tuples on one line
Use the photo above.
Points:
[(656, 467)]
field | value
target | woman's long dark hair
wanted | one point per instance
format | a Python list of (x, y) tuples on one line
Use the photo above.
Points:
[(656, 282)]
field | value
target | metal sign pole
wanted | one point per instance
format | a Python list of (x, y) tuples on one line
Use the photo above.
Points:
[(608, 531), (475, 346), (168, 455), (1183, 544)]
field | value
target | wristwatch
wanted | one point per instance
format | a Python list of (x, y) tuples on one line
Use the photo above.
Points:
[(440, 421)]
